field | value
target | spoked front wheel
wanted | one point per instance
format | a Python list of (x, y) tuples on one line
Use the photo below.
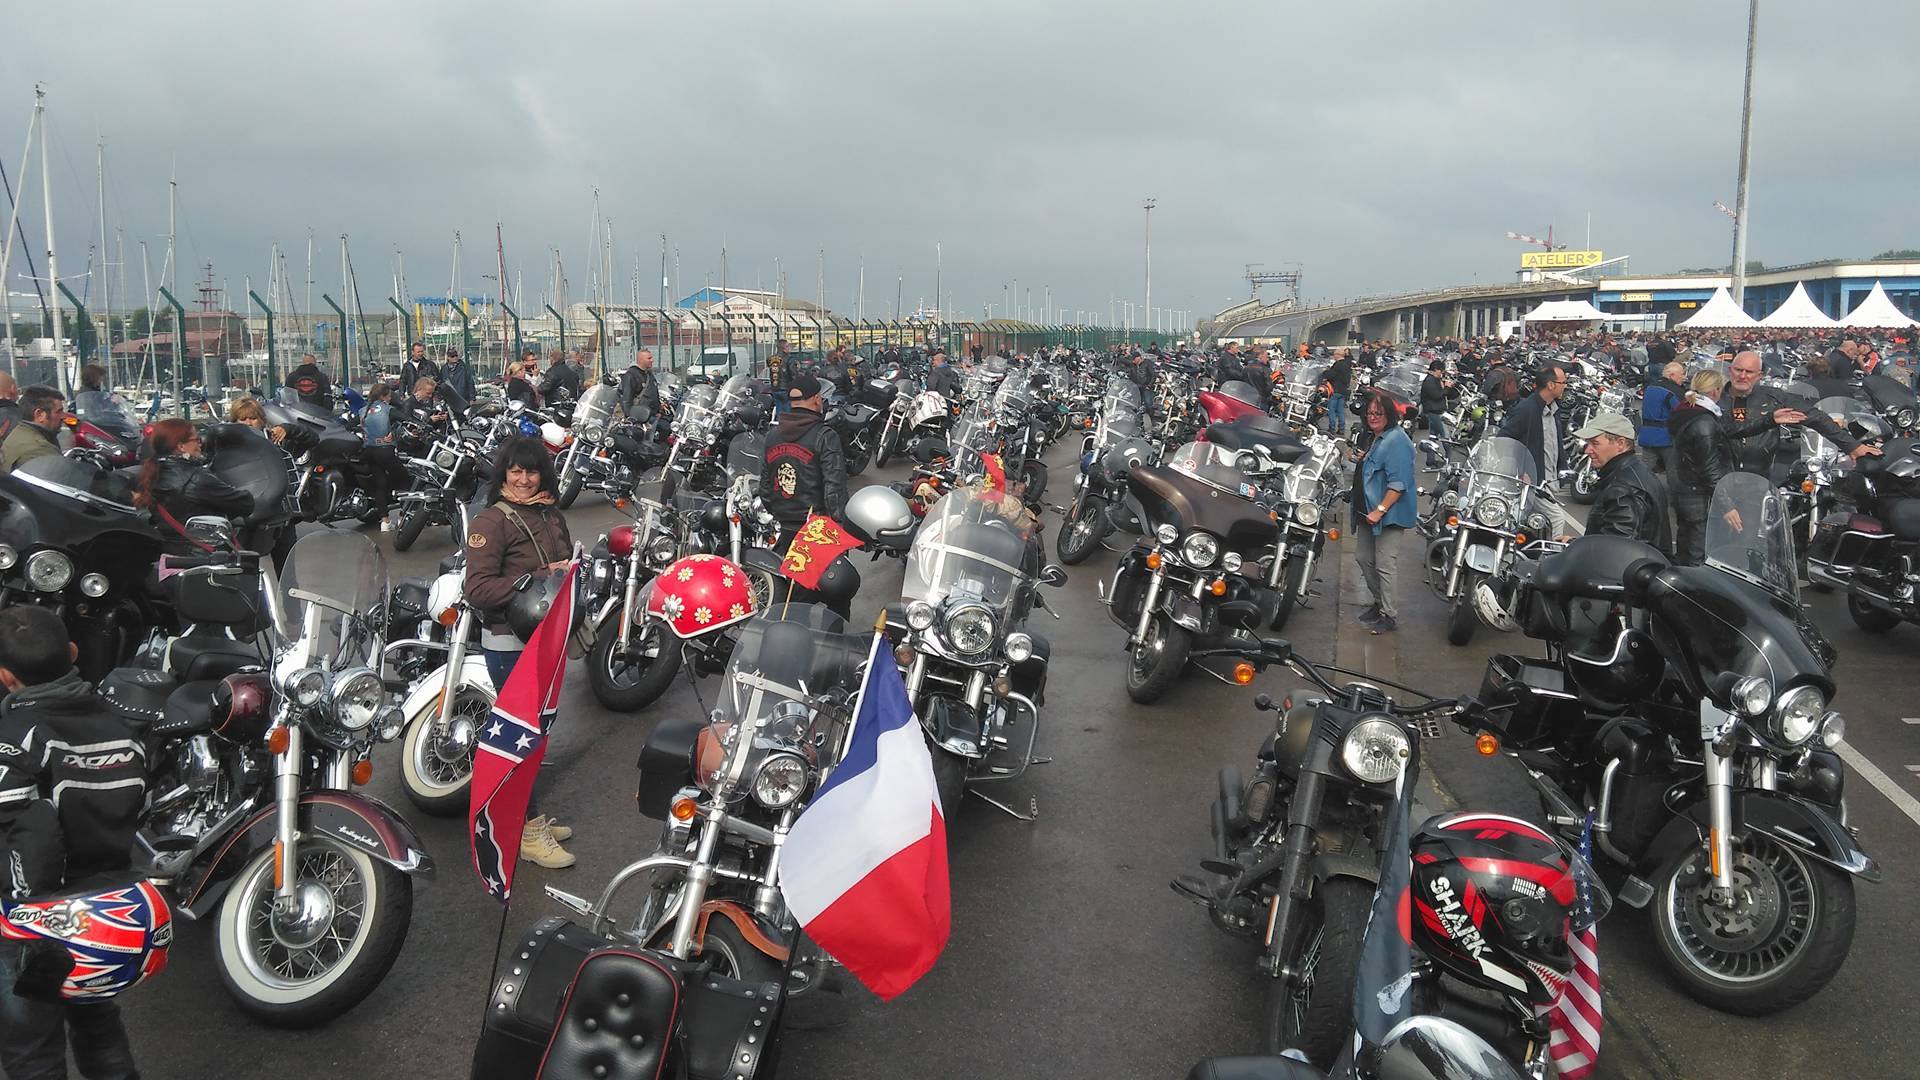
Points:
[(436, 755), (1779, 938), (1311, 1009), (633, 678), (307, 964)]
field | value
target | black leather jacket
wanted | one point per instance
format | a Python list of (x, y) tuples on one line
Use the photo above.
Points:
[(1756, 438), (1631, 501), (1433, 394), (185, 488), (561, 376), (945, 381), (1703, 455), (639, 394), (805, 469)]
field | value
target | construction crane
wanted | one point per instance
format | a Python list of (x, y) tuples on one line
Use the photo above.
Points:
[(1290, 278), (1536, 241)]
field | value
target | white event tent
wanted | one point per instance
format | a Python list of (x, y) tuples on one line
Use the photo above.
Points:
[(1720, 313), (1876, 311), (1566, 311), (1799, 312)]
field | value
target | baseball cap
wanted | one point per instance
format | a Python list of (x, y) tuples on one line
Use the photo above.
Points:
[(802, 387), (1606, 423)]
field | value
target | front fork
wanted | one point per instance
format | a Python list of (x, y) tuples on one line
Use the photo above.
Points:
[(456, 664), (1303, 815), (631, 593), (286, 837), (1719, 783), (1147, 605)]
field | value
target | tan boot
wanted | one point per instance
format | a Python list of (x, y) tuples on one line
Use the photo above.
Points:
[(560, 832), (538, 846)]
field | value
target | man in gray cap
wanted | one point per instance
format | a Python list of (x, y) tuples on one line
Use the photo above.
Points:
[(1631, 501)]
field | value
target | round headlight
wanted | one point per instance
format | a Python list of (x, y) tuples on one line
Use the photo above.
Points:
[(1375, 750), (357, 698), (1307, 513), (1166, 533), (94, 584), (444, 458), (8, 556), (970, 629), (49, 571), (1492, 512), (1199, 550), (1019, 648), (1538, 523), (1834, 730), (307, 686), (1752, 695), (919, 615), (1905, 418), (1231, 561), (1449, 498), (1797, 717), (781, 782)]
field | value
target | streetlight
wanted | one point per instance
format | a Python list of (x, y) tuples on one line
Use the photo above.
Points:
[(1148, 207), (1746, 160)]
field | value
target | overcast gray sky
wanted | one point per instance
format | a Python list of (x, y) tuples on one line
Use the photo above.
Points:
[(1383, 146)]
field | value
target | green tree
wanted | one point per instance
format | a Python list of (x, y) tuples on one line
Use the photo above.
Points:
[(1909, 254), (142, 322)]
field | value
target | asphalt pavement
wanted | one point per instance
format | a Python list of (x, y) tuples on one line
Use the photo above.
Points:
[(1070, 955)]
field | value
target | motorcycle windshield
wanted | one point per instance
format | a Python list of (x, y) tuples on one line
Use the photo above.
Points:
[(594, 411), (1750, 534), (79, 479), (1305, 379), (1500, 464), (332, 591), (1843, 411), (734, 393), (972, 543), (1213, 465), (783, 660), (1013, 396), (108, 412), (746, 454)]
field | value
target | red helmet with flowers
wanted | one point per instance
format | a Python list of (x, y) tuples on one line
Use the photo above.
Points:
[(700, 594)]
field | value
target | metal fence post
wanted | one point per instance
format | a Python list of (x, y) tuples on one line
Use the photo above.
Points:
[(82, 334), (180, 349), (345, 360), (600, 320), (561, 319), (519, 347), (273, 350)]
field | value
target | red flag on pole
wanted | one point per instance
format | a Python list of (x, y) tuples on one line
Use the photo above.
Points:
[(996, 472), (816, 544), (507, 757)]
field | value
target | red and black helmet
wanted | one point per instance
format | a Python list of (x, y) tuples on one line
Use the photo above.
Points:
[(1493, 897)]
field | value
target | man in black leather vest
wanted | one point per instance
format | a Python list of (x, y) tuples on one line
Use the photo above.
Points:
[(806, 468)]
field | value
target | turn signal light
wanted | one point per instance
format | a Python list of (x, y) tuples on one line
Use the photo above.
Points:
[(1243, 673), (1333, 534), (1453, 519), (903, 654), (1487, 743), (1806, 487), (362, 772), (619, 504), (1520, 539), (1153, 560), (448, 616), (683, 809), (1219, 586), (278, 740)]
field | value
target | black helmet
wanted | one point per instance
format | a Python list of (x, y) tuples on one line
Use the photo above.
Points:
[(533, 596), (1494, 899)]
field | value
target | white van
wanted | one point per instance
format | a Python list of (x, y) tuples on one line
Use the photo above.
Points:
[(718, 363)]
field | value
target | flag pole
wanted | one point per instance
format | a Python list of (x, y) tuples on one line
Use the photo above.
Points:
[(860, 695)]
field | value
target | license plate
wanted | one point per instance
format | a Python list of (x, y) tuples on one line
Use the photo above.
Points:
[(1480, 557)]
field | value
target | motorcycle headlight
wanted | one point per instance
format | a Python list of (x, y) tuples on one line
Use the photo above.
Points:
[(307, 686), (1375, 750), (94, 585), (969, 628), (1199, 550), (1906, 418), (444, 458), (919, 615), (357, 698), (1492, 512), (49, 571), (1231, 561), (1307, 513), (1797, 718), (1019, 647), (1752, 695), (1538, 523), (1449, 498), (8, 557), (1166, 533), (782, 780)]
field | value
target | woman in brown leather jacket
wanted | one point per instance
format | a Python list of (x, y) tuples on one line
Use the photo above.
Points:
[(520, 532)]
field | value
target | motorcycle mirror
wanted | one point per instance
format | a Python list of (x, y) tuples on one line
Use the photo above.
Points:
[(1053, 575), (210, 529)]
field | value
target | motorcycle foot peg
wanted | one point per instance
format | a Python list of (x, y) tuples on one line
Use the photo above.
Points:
[(1193, 889), (1039, 761), (578, 905), (1635, 892)]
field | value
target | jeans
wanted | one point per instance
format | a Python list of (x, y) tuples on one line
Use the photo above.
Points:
[(1689, 540), (1337, 412), (1436, 423), (34, 1034), (1379, 557), (499, 666)]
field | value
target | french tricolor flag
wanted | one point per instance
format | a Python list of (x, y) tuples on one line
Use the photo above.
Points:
[(865, 865)]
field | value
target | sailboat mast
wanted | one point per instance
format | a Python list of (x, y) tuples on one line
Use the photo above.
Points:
[(106, 280), (6, 245), (53, 256)]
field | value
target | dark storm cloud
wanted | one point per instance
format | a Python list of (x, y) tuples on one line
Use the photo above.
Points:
[(1384, 146)]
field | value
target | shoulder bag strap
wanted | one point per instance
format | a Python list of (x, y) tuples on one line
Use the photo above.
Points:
[(514, 515)]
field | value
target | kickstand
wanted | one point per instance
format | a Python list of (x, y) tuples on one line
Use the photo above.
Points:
[(1033, 806)]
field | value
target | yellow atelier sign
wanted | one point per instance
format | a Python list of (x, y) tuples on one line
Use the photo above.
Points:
[(1560, 260)]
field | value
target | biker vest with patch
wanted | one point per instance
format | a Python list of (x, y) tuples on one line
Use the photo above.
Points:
[(793, 475)]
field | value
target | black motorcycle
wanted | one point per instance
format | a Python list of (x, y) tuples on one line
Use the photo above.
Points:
[(1687, 708), (1102, 502), (1297, 844), (1867, 540), (446, 475)]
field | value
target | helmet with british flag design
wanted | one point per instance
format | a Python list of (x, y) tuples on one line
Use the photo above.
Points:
[(700, 594), (89, 944)]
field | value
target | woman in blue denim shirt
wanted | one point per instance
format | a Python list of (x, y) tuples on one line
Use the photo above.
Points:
[(1385, 494)]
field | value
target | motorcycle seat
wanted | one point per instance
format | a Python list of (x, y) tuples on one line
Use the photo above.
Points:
[(1280, 443), (1592, 567), (137, 695), (194, 657), (617, 1019), (188, 710), (1901, 517)]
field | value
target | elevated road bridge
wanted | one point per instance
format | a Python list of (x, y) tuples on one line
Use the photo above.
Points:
[(1469, 310)]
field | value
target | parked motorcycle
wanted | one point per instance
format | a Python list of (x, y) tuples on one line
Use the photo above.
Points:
[(1102, 502), (1687, 707), (446, 477), (1483, 527), (607, 454), (1867, 540)]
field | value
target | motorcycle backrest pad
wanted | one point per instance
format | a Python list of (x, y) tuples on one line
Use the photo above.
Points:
[(618, 1018)]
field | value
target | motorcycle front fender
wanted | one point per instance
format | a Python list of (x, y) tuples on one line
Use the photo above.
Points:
[(954, 727), (1798, 824), (357, 821), (1185, 610), (425, 696)]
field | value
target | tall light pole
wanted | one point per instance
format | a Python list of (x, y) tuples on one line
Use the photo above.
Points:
[(1148, 207), (1746, 160)]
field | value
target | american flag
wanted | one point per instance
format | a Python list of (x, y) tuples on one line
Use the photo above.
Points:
[(1574, 1018), (507, 757)]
